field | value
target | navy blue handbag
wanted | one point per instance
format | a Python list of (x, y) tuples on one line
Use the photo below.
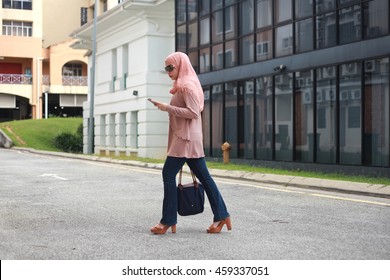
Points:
[(190, 197)]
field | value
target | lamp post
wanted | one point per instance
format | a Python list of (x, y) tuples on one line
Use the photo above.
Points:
[(91, 123)]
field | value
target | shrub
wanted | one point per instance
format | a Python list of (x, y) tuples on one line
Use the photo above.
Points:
[(69, 142)]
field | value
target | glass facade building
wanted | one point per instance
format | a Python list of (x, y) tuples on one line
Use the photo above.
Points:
[(297, 81)]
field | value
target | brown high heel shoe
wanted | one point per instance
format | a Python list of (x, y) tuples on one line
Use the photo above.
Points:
[(218, 228), (157, 229)]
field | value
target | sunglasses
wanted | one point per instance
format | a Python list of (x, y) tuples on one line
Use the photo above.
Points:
[(169, 68)]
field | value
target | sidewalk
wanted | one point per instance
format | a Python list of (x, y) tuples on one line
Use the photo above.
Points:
[(377, 190)]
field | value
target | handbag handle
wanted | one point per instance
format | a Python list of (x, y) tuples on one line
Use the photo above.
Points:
[(193, 178)]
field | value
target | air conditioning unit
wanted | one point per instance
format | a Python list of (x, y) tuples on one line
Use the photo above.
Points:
[(370, 65), (319, 96), (356, 94), (249, 87), (344, 94), (330, 95), (206, 95), (217, 88), (328, 72), (307, 97), (349, 69), (279, 80), (329, 4)]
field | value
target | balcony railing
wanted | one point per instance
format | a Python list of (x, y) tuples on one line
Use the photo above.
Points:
[(27, 80), (15, 79), (74, 81)]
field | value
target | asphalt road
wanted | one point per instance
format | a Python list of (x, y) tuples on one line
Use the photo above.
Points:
[(60, 208)]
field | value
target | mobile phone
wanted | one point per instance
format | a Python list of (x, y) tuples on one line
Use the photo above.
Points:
[(150, 99)]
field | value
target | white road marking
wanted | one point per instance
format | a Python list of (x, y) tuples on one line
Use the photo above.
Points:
[(55, 176)]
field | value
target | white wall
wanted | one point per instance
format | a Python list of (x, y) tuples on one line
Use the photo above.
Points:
[(134, 54)]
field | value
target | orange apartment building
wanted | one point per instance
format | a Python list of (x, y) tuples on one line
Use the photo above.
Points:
[(40, 74)]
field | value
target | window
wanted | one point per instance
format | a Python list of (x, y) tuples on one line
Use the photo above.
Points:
[(303, 8), (350, 113), (303, 123), (217, 57), (283, 117), (205, 31), (246, 17), (204, 60), (17, 4), (326, 126), (284, 44), (247, 51), (326, 30), (350, 24), (72, 69), (376, 124), (376, 18), (217, 119), (304, 35), (283, 10), (230, 19), (264, 13), (264, 45), (325, 5), (204, 7), (105, 7), (17, 28), (264, 112)]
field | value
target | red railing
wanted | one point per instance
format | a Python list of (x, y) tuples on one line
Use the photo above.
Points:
[(15, 79)]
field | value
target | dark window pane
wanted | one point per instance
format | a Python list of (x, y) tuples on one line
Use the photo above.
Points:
[(350, 117), (264, 111), (264, 13), (326, 31), (283, 10), (217, 119), (350, 24), (231, 117), (376, 96), (326, 115), (264, 45), (376, 18), (304, 35), (206, 121), (284, 40), (283, 117), (246, 17), (303, 8), (304, 108), (247, 49)]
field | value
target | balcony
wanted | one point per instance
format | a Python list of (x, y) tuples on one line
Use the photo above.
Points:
[(15, 84), (15, 79), (19, 84), (74, 81)]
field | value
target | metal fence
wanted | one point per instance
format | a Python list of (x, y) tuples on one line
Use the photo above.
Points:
[(27, 79)]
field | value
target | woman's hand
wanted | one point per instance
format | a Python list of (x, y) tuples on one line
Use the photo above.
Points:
[(160, 105)]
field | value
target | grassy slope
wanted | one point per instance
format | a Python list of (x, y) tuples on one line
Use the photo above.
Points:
[(39, 134)]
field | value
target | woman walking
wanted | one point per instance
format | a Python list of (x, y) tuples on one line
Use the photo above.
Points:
[(185, 144)]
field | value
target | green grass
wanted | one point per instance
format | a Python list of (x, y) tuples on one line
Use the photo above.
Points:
[(39, 134)]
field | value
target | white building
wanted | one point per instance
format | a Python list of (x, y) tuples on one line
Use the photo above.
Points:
[(132, 41)]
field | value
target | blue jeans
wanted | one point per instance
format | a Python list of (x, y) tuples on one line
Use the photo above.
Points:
[(198, 166)]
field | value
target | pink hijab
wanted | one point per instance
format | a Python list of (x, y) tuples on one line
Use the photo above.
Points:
[(187, 77)]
